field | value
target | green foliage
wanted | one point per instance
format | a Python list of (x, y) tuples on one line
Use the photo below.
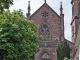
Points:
[(66, 58), (63, 50), (18, 36), (5, 4)]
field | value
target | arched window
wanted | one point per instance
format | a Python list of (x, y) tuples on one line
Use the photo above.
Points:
[(45, 32), (45, 55)]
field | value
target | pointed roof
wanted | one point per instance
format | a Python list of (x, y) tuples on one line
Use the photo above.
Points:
[(42, 6), (28, 7), (61, 9)]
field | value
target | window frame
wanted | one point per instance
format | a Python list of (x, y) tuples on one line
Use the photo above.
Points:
[(45, 34)]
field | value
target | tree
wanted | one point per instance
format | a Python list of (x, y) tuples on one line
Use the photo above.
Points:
[(18, 36), (63, 50), (5, 4), (66, 58)]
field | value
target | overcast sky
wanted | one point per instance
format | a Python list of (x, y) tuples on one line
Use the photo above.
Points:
[(54, 4)]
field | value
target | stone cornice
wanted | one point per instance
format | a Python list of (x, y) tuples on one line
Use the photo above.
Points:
[(75, 17)]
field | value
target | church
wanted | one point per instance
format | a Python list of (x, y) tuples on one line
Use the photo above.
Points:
[(52, 30)]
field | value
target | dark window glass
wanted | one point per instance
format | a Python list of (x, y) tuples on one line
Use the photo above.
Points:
[(45, 32), (42, 30), (45, 26)]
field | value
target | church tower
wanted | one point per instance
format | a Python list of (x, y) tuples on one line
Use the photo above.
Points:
[(75, 18)]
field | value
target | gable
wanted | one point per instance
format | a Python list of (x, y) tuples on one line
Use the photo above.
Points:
[(52, 20), (48, 7)]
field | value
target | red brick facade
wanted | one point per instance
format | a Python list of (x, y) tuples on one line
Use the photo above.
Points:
[(45, 15), (75, 15), (75, 21)]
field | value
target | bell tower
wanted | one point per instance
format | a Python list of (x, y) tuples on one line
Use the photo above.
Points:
[(75, 18)]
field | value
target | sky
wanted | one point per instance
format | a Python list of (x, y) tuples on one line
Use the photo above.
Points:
[(54, 4)]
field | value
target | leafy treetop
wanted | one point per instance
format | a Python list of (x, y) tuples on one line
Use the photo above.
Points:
[(18, 36), (5, 4)]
